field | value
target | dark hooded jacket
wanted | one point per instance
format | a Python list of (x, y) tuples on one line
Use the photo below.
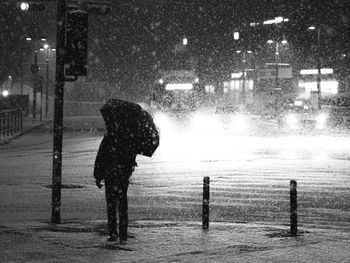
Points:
[(112, 157)]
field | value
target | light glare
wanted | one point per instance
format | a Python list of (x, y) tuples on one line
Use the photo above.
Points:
[(292, 121), (321, 121), (5, 93), (179, 86), (24, 6)]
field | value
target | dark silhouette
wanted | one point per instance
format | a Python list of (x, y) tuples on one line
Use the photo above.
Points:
[(129, 131), (114, 164)]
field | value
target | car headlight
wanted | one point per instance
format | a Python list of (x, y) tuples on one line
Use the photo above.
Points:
[(292, 121), (162, 121), (239, 122), (5, 93), (204, 123), (321, 121)]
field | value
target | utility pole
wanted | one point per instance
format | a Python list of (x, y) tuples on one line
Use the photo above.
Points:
[(277, 54), (35, 69), (319, 66), (47, 83), (244, 79)]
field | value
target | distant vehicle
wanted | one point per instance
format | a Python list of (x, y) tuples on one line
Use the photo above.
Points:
[(227, 109), (338, 117), (300, 116), (234, 119), (178, 91)]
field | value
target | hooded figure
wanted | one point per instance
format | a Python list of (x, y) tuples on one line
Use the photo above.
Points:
[(114, 164)]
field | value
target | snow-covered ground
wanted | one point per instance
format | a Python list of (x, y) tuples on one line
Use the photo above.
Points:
[(249, 200), (249, 176)]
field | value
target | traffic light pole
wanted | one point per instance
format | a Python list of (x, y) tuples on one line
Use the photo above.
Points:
[(66, 29), (58, 114), (319, 67), (35, 83)]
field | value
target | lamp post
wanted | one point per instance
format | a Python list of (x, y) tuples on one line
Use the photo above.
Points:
[(277, 59), (318, 79), (244, 61), (34, 68), (48, 50), (236, 37)]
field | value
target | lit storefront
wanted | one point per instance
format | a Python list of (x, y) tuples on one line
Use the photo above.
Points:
[(308, 83)]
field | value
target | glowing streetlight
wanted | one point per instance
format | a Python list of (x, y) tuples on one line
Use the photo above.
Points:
[(24, 6), (5, 93), (277, 57), (318, 79), (47, 48)]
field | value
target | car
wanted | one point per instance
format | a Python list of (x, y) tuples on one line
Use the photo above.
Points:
[(299, 116)]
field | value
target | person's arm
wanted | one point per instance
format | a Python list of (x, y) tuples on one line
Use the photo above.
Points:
[(100, 162)]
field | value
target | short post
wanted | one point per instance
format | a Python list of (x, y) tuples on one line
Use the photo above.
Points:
[(293, 209), (205, 215)]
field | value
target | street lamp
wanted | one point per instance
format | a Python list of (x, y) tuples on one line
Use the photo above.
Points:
[(318, 80), (34, 68), (244, 62), (277, 58), (24, 6), (48, 50), (236, 37)]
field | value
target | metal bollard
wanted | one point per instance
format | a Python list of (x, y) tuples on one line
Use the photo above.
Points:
[(293, 209), (205, 215)]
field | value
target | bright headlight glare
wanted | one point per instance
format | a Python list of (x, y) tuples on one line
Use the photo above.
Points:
[(292, 121), (321, 120), (240, 122), (204, 123), (162, 121)]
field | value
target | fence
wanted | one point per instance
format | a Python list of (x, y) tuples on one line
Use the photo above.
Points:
[(11, 123)]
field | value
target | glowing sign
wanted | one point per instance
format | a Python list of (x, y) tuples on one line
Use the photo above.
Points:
[(179, 86), (324, 71), (277, 20), (236, 75)]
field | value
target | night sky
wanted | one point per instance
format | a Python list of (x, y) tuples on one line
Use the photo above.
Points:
[(129, 46)]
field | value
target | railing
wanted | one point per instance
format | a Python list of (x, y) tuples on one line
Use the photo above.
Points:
[(11, 123)]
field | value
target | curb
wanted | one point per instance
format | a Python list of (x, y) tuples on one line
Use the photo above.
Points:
[(24, 131)]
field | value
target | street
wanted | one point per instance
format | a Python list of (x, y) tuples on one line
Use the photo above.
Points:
[(249, 179)]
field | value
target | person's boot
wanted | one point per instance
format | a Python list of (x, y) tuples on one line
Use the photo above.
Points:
[(112, 238), (123, 241)]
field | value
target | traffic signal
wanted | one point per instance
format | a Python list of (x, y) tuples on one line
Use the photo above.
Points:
[(76, 43)]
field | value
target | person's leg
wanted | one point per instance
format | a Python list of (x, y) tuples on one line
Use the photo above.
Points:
[(111, 199), (123, 209)]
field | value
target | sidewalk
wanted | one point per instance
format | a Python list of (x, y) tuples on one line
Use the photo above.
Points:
[(70, 123), (30, 124), (161, 241)]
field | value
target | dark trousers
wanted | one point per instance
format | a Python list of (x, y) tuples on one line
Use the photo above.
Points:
[(116, 197)]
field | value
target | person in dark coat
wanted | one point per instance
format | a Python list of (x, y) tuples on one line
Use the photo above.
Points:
[(115, 164)]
